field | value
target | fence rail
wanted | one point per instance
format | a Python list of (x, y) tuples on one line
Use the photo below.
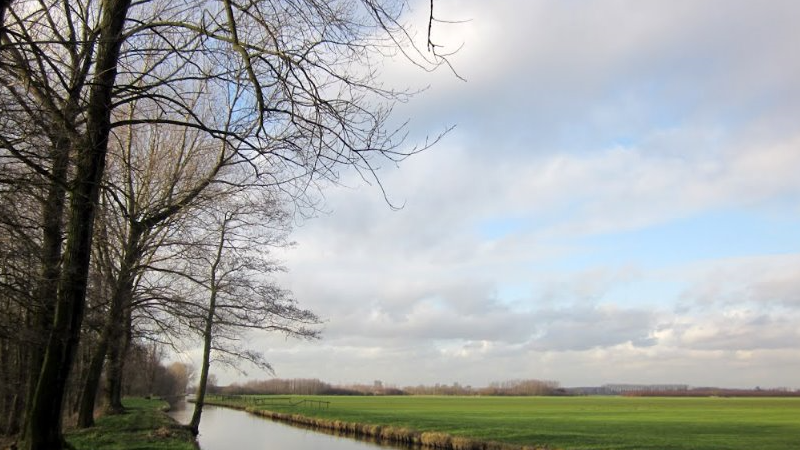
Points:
[(275, 401)]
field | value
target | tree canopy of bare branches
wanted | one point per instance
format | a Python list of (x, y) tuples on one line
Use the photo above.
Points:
[(274, 93)]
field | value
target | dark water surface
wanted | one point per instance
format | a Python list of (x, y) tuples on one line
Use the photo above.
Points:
[(229, 429)]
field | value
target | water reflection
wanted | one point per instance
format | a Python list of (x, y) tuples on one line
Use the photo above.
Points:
[(224, 428)]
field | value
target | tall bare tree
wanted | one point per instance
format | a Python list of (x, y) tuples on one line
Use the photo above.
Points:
[(297, 77), (226, 278), (46, 63), (156, 171)]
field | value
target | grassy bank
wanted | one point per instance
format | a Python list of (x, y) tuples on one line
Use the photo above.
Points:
[(570, 423), (144, 426)]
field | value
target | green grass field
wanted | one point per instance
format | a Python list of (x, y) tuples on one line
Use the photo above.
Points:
[(586, 423)]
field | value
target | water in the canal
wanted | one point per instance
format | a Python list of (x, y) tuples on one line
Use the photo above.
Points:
[(224, 429)]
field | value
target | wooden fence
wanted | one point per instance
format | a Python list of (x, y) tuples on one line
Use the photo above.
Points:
[(257, 400)]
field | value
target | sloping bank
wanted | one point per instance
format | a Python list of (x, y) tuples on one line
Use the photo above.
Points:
[(408, 436), (145, 424)]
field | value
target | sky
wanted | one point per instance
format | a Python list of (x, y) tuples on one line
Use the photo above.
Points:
[(618, 202)]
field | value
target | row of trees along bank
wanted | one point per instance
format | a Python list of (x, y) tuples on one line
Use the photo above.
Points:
[(151, 155)]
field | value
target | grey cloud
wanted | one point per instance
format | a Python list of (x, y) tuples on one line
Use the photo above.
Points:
[(742, 332), (599, 327), (783, 289), (430, 320), (769, 283), (567, 75), (588, 286)]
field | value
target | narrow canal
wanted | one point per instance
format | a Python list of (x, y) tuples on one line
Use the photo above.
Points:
[(224, 429)]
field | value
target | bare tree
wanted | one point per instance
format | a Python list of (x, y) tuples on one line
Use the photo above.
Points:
[(35, 40), (229, 287), (299, 78), (155, 172), (19, 252)]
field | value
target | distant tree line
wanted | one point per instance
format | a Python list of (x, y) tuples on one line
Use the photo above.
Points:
[(313, 386), (717, 392), (522, 387), (518, 387), (678, 390), (294, 386)]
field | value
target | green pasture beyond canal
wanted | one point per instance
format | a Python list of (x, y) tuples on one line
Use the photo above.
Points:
[(586, 423)]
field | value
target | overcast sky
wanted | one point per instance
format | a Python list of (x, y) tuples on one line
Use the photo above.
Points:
[(619, 202)]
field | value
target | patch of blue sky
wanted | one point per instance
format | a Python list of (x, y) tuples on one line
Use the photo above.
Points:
[(514, 294), (654, 251), (493, 229), (713, 235), (625, 141), (646, 292), (651, 252)]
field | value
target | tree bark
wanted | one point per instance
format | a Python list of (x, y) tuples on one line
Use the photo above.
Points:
[(52, 230), (120, 331), (16, 414), (93, 375), (17, 403), (113, 339), (194, 424), (5, 391), (43, 429), (118, 348)]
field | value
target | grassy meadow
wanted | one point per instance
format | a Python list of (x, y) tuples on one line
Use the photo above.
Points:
[(579, 423)]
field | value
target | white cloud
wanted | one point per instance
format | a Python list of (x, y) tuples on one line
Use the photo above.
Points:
[(768, 283), (741, 331), (579, 119)]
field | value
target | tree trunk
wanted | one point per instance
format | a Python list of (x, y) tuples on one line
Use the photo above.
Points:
[(17, 411), (12, 371), (120, 319), (5, 385), (14, 415), (93, 375), (116, 361), (113, 340), (52, 214), (43, 429), (194, 425)]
